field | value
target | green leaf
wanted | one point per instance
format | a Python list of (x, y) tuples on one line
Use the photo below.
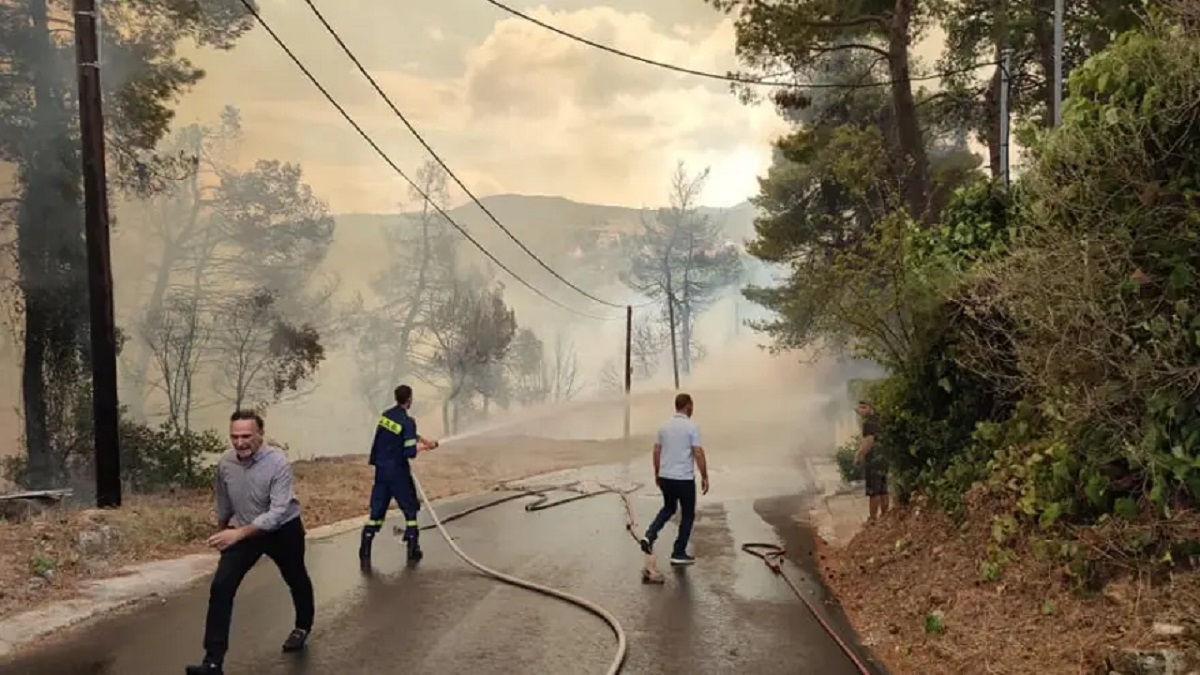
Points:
[(1125, 507)]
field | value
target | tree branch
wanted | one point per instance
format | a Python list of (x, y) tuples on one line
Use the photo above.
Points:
[(852, 45), (872, 19)]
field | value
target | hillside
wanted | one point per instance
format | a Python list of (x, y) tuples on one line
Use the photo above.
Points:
[(549, 226)]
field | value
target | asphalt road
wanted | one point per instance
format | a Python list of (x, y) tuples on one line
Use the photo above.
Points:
[(725, 614)]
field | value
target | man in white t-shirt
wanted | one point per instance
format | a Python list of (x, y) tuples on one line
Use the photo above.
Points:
[(676, 456)]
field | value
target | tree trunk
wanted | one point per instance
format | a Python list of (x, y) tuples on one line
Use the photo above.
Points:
[(33, 394), (992, 112), (685, 334), (993, 126), (912, 141), (1043, 38), (47, 255), (171, 254)]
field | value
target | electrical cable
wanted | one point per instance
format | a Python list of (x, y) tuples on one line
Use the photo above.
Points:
[(421, 139), (737, 79), (383, 155)]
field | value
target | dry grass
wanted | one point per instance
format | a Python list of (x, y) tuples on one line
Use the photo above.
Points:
[(1026, 621), (44, 558)]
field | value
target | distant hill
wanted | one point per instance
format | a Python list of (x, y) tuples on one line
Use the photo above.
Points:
[(549, 226)]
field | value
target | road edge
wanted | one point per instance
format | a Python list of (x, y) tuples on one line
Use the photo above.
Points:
[(131, 586)]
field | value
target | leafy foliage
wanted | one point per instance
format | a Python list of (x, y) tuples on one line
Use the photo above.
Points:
[(681, 258), (1040, 340), (265, 356), (225, 232), (1099, 285), (844, 457), (472, 332), (39, 137)]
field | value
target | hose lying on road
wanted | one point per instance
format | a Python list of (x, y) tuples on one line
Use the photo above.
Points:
[(773, 555), (542, 502), (618, 659)]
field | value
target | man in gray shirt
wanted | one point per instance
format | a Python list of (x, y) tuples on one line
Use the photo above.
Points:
[(257, 514), (677, 454)]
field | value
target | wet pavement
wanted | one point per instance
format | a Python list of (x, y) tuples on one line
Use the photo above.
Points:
[(725, 614)]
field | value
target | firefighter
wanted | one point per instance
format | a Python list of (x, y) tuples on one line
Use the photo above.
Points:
[(396, 442)]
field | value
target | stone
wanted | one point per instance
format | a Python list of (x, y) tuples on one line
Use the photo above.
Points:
[(1167, 629), (1150, 662), (96, 541)]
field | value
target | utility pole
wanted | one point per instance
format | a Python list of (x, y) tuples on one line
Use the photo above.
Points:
[(100, 282), (671, 319), (1005, 121), (1059, 12), (628, 362)]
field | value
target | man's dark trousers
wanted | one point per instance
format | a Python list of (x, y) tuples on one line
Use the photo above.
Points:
[(392, 482), (285, 547), (681, 495)]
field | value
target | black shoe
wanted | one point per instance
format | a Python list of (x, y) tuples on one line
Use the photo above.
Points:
[(646, 545), (205, 668), (295, 640), (682, 559), (364, 545), (415, 553)]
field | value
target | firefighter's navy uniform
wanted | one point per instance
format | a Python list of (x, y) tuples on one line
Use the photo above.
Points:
[(394, 445)]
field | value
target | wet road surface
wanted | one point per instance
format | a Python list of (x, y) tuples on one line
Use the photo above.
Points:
[(725, 614)]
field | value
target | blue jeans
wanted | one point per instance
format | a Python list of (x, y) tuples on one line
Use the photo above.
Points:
[(677, 494)]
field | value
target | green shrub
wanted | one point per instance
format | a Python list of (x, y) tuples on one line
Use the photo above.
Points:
[(152, 459), (845, 461)]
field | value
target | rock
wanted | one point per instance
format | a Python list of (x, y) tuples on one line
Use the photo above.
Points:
[(1167, 629), (1150, 662), (96, 541), (1118, 592)]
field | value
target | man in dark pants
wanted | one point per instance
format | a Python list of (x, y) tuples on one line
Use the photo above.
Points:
[(873, 463), (257, 514), (396, 442), (677, 453)]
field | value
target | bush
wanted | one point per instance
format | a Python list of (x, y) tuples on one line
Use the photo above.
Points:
[(156, 459), (152, 459), (845, 461), (1100, 286)]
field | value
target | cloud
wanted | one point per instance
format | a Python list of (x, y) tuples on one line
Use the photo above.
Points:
[(525, 111)]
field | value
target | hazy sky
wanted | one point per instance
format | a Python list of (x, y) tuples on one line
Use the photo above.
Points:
[(510, 106)]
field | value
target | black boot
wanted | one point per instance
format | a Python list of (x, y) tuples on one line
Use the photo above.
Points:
[(412, 536), (364, 546), (207, 667)]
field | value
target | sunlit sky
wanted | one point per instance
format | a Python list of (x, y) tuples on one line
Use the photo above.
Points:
[(511, 107)]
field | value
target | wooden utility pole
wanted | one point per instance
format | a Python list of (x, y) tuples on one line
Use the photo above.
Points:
[(628, 362), (671, 319), (100, 282)]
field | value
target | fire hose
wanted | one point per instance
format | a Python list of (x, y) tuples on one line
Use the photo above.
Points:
[(618, 631), (772, 555)]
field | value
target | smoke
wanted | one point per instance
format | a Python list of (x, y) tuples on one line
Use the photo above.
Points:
[(782, 406)]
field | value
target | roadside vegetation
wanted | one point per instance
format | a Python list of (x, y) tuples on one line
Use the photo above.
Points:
[(1041, 413)]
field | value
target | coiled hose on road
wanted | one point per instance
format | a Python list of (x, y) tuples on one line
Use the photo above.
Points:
[(773, 555), (618, 631)]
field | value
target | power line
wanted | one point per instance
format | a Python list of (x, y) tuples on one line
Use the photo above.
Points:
[(375, 146), (379, 90), (728, 77)]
